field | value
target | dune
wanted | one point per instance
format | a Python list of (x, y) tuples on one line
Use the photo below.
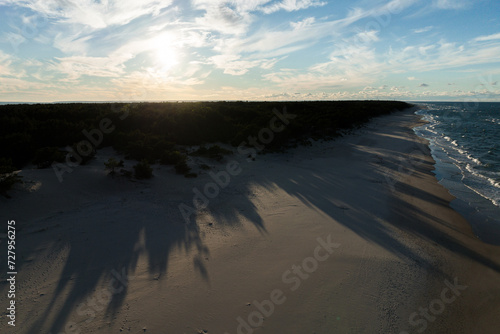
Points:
[(353, 235)]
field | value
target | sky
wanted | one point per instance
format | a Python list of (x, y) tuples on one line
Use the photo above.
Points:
[(164, 50)]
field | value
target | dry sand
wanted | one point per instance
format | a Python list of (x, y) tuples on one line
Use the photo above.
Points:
[(348, 236)]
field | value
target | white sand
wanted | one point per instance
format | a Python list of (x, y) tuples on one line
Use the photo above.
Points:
[(372, 194)]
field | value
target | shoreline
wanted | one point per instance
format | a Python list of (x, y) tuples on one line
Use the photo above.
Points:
[(477, 209), (371, 193)]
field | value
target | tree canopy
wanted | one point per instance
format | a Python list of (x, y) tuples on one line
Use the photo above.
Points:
[(154, 131)]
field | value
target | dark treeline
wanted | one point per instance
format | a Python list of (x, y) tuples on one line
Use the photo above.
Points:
[(155, 131)]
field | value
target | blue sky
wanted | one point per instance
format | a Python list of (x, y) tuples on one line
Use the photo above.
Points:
[(129, 50)]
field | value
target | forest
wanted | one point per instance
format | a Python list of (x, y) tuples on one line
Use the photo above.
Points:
[(43, 134)]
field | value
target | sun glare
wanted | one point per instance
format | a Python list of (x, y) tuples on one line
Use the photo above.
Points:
[(166, 56)]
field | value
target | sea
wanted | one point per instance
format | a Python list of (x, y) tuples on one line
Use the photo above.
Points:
[(464, 138)]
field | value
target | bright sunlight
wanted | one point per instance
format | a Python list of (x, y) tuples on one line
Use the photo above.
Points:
[(165, 52)]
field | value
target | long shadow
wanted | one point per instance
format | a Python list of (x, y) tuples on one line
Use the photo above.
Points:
[(109, 250), (404, 216), (107, 243), (330, 195), (104, 243), (408, 217), (324, 192)]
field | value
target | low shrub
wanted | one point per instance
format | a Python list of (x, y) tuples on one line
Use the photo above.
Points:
[(8, 177), (143, 170), (172, 158), (111, 164), (126, 173), (85, 156), (182, 168), (45, 156), (214, 152)]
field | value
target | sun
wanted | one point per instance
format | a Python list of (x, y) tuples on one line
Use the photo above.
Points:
[(166, 58), (165, 53)]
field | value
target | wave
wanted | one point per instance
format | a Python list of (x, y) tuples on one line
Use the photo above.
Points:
[(494, 120), (462, 150)]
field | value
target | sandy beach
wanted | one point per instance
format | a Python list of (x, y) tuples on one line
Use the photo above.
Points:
[(347, 236)]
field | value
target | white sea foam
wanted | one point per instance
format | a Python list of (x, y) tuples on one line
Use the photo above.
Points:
[(495, 201), (477, 161), (462, 145), (494, 120)]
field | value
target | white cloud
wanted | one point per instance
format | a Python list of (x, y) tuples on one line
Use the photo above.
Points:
[(443, 55), (423, 50), (422, 30), (349, 66), (312, 81), (76, 66), (268, 64), (234, 17), (368, 36), (72, 44), (380, 93), (265, 44), (96, 15), (221, 16), (228, 17), (99, 40), (5, 65), (487, 38), (302, 24), (231, 64), (13, 67), (3, 56), (303, 34), (239, 5), (292, 5), (8, 86), (357, 65), (14, 39), (162, 49)]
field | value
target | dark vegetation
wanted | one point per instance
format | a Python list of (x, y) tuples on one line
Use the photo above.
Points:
[(45, 156), (143, 170), (214, 152), (113, 164), (8, 176), (158, 132)]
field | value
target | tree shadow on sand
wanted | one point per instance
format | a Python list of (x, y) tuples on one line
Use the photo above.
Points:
[(109, 249)]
